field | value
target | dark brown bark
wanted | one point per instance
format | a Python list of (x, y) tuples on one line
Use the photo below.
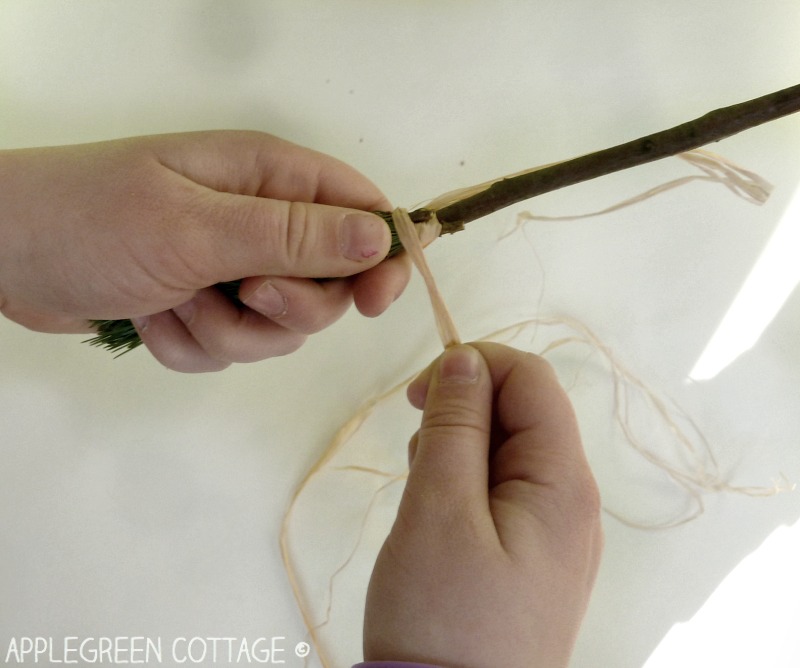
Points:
[(707, 129)]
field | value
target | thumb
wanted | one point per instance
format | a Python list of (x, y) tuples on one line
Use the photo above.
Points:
[(451, 448), (254, 236)]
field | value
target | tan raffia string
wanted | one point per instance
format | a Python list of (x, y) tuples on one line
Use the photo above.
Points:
[(342, 437), (717, 168), (414, 238), (698, 477)]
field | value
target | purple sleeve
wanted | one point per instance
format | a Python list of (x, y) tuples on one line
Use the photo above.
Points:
[(394, 664)]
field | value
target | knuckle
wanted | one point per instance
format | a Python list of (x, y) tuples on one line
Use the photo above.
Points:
[(217, 350), (314, 322), (452, 422), (185, 359), (452, 413), (246, 350), (585, 501), (290, 344), (297, 238), (317, 311), (538, 364)]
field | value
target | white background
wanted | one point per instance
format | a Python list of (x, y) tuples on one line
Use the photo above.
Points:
[(137, 501)]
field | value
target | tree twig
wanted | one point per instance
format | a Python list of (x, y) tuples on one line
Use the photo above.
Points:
[(120, 336), (707, 129)]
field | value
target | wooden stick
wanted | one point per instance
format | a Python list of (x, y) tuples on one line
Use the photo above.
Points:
[(120, 336), (707, 129)]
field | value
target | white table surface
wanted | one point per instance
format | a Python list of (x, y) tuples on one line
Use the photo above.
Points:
[(139, 502)]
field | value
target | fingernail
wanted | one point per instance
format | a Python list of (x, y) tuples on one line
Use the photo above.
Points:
[(140, 323), (267, 300), (362, 236), (185, 311), (460, 364)]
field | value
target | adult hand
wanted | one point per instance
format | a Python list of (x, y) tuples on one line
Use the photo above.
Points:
[(142, 228), (497, 542)]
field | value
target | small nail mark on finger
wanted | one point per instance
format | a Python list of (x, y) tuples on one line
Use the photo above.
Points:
[(362, 236)]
